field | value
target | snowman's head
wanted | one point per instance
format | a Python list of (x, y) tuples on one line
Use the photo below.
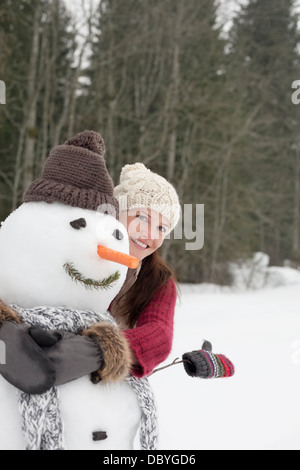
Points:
[(49, 255)]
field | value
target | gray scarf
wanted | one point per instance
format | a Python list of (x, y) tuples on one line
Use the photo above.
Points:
[(42, 424)]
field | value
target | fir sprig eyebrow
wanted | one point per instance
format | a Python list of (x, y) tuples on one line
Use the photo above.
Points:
[(89, 283)]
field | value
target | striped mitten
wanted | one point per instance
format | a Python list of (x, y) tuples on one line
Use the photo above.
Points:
[(207, 365)]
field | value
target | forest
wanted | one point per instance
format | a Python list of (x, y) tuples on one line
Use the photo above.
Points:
[(212, 109)]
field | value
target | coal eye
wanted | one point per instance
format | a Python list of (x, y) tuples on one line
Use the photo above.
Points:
[(78, 224), (118, 234)]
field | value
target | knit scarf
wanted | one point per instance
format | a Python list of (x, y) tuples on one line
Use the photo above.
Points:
[(42, 424)]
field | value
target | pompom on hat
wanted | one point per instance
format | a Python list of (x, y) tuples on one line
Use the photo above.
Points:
[(140, 187), (75, 174)]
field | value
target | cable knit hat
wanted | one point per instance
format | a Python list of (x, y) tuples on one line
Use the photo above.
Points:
[(75, 174), (140, 187)]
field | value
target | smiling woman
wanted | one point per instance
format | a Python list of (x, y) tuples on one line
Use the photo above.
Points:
[(145, 306), (146, 229)]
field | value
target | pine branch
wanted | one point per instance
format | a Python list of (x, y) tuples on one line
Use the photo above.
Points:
[(88, 282)]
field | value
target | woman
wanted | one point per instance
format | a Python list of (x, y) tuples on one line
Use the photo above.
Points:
[(143, 309)]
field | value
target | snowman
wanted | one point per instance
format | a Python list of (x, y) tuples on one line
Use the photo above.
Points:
[(63, 259)]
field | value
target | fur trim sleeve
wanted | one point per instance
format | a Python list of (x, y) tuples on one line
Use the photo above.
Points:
[(8, 314), (116, 352)]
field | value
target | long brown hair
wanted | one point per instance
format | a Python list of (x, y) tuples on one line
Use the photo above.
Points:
[(153, 274)]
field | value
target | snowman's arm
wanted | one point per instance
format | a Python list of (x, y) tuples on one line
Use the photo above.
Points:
[(116, 352), (25, 365), (8, 314)]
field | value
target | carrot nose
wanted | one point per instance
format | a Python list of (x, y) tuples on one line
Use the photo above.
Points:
[(118, 257)]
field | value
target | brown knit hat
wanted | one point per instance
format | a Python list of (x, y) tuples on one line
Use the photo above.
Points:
[(75, 174)]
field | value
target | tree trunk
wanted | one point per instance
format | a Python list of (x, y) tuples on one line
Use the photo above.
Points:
[(172, 147), (31, 108)]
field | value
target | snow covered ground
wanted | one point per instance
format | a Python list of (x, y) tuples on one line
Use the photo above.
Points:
[(258, 408)]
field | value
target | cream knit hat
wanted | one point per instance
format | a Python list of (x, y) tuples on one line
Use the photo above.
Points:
[(140, 187)]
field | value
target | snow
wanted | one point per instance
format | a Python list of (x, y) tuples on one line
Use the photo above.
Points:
[(258, 408), (256, 273)]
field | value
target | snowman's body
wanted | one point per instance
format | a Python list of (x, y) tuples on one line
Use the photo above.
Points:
[(37, 242), (86, 409)]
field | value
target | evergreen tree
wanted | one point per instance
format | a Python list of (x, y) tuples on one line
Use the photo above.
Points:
[(37, 47), (263, 64)]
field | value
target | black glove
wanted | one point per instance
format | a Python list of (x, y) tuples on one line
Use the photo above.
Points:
[(27, 366), (72, 355)]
